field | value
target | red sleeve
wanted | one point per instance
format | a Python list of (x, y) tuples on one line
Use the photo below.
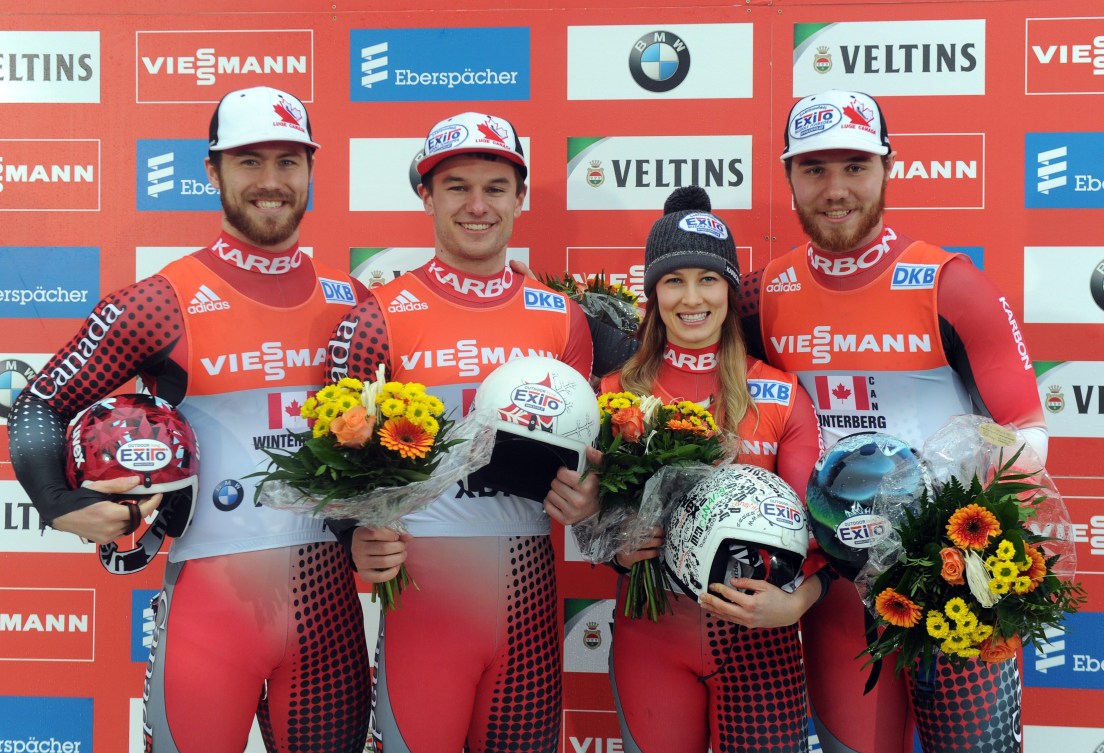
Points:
[(984, 345), (801, 444), (798, 451), (133, 331), (579, 352)]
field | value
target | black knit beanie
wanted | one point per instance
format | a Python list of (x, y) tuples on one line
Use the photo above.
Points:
[(689, 236)]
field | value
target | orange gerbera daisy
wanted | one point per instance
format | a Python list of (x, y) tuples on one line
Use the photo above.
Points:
[(1037, 571), (681, 424), (406, 438), (897, 609), (972, 526)]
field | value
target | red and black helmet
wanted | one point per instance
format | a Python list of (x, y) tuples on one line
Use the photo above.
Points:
[(145, 436)]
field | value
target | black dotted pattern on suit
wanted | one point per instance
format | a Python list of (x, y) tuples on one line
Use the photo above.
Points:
[(758, 689), (975, 709), (332, 687), (526, 705)]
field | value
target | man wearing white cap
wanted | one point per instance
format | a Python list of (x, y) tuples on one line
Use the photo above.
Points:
[(472, 660), (259, 614), (823, 311)]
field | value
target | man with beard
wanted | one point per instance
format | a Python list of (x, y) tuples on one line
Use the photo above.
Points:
[(892, 335), (259, 613)]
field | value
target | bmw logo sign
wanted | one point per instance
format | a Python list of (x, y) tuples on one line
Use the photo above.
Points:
[(659, 61), (15, 375), (228, 494), (1096, 284)]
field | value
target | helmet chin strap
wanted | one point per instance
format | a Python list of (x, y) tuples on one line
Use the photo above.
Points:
[(135, 560)]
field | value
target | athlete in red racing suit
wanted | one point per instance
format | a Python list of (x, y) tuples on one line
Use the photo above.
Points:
[(259, 614), (896, 336), (472, 659)]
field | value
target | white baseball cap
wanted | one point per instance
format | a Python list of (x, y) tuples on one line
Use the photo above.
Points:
[(836, 120), (470, 133), (257, 115)]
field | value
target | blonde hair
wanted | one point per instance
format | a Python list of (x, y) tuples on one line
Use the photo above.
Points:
[(640, 371)]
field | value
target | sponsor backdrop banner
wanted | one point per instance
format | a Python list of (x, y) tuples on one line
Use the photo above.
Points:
[(994, 108)]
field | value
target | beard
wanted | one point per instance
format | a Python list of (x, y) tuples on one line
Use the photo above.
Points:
[(264, 231), (838, 239)]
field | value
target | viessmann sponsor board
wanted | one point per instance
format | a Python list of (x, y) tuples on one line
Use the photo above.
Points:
[(937, 171), (201, 66), (50, 66), (908, 58), (49, 175), (47, 624), (1064, 55), (639, 172)]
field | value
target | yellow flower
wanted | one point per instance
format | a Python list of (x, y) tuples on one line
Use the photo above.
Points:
[(429, 423), (392, 408), (309, 408), (393, 388), (619, 403), (416, 411), (412, 390), (350, 383), (1000, 587), (968, 653), (937, 625), (328, 411), (1005, 570), (436, 407), (321, 428), (955, 608), (954, 643), (1006, 551), (328, 393), (981, 633), (346, 401), (967, 622), (1022, 584)]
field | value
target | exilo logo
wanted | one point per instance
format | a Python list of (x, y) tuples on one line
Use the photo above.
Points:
[(200, 66), (49, 175)]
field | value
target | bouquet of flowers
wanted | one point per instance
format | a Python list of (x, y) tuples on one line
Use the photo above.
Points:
[(612, 303), (972, 571), (374, 452), (639, 436)]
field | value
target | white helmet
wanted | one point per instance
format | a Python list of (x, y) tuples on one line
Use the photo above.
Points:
[(547, 417), (741, 521)]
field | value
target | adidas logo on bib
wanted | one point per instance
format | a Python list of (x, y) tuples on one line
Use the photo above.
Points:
[(406, 301)]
